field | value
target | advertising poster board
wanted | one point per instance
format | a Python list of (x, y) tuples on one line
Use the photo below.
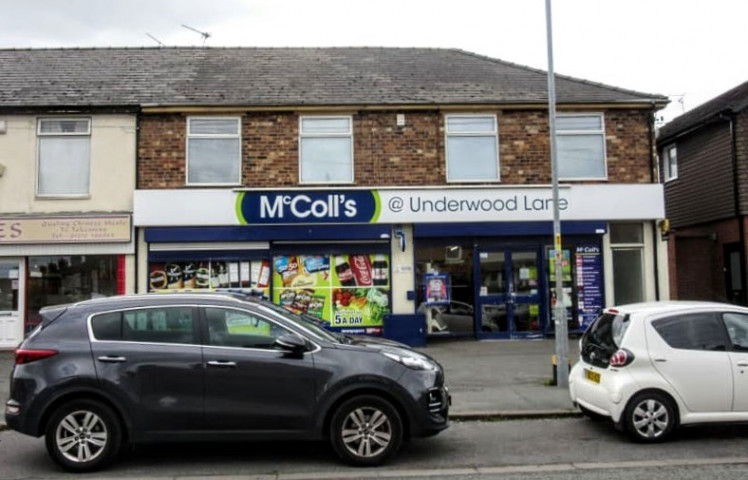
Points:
[(350, 292), (244, 276), (589, 262), (436, 288), (567, 287)]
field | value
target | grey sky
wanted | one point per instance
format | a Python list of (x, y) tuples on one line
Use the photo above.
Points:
[(670, 47)]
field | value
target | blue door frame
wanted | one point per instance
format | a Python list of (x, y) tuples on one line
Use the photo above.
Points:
[(501, 311)]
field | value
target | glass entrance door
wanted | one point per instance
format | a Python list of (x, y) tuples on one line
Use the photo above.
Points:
[(509, 293), (11, 330)]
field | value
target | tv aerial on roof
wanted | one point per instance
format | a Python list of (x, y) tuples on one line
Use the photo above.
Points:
[(160, 44), (205, 35)]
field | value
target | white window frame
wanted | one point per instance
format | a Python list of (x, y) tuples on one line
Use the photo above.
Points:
[(669, 172), (601, 132), (494, 133), (348, 134), (40, 135), (237, 136)]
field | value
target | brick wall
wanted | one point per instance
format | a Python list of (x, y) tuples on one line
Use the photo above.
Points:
[(388, 155), (697, 261)]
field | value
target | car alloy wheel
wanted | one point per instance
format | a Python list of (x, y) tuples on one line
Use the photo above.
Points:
[(366, 430), (650, 417), (83, 435)]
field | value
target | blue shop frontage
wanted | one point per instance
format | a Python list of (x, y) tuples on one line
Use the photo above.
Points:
[(410, 264)]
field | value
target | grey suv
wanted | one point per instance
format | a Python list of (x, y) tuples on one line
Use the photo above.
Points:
[(101, 374)]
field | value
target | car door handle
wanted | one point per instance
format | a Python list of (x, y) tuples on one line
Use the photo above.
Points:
[(221, 364), (743, 363), (108, 359), (660, 359)]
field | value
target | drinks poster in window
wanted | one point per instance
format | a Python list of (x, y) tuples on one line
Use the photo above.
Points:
[(436, 288), (251, 277)]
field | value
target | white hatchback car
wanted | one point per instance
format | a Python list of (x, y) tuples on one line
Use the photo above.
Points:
[(651, 367)]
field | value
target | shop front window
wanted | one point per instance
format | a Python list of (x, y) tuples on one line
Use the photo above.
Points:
[(351, 292), (445, 293), (245, 276), (54, 280)]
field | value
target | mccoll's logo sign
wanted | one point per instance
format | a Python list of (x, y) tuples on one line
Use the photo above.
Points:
[(255, 208)]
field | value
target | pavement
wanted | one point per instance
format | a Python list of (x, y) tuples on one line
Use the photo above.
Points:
[(488, 379)]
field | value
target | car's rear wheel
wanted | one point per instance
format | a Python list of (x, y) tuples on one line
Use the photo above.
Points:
[(650, 417), (366, 431), (83, 435)]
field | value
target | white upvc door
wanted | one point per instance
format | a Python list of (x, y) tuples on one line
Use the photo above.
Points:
[(11, 302)]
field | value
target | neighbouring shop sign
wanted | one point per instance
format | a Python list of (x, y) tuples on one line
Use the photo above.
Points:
[(105, 228)]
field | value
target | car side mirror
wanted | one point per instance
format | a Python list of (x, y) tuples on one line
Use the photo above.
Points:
[(291, 342)]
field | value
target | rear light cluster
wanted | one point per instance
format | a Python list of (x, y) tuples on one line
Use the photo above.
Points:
[(28, 356), (621, 358)]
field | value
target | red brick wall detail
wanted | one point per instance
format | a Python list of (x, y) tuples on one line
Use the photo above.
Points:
[(388, 155)]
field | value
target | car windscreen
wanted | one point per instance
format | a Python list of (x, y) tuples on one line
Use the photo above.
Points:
[(603, 338)]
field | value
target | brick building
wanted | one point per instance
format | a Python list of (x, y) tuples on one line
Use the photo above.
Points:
[(365, 185), (705, 173)]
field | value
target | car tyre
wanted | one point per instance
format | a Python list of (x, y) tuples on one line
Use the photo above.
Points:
[(83, 435), (649, 417), (366, 431)]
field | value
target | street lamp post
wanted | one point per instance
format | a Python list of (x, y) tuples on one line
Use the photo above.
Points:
[(561, 326)]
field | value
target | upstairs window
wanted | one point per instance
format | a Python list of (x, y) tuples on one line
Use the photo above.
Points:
[(326, 150), (213, 151), (64, 156), (580, 139), (472, 148), (670, 162)]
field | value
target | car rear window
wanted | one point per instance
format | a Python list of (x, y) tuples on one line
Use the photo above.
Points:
[(603, 338), (154, 325)]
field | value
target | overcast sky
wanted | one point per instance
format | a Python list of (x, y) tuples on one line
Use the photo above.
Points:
[(690, 51)]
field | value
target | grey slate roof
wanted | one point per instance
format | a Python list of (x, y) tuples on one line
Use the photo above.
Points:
[(281, 77), (733, 100)]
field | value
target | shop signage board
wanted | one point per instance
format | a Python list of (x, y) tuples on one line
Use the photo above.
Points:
[(396, 205), (84, 229)]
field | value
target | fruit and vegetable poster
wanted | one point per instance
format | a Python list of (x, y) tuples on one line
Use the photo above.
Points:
[(350, 292)]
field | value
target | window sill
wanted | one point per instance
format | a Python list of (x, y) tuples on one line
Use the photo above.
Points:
[(325, 183), (489, 180), (213, 185), (86, 196)]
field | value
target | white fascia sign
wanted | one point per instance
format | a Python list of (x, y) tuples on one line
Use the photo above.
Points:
[(604, 202)]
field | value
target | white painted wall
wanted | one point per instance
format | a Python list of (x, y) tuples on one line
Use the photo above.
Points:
[(113, 149)]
